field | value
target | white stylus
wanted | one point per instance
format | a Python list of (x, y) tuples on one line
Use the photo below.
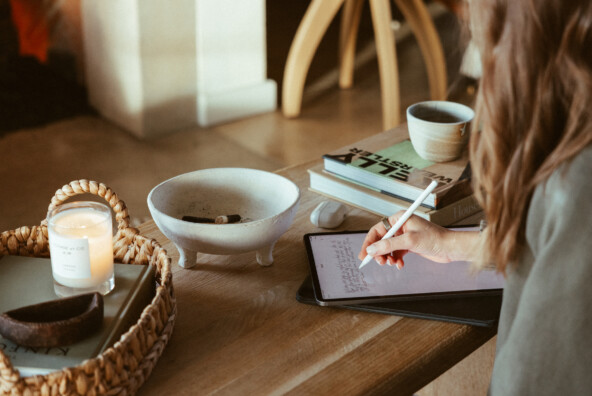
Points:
[(404, 218)]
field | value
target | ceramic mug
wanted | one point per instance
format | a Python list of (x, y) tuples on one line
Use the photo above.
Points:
[(439, 130)]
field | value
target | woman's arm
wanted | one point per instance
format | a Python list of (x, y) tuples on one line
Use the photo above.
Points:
[(422, 237)]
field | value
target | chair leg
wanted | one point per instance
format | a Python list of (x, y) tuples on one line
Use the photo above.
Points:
[(387, 62), (314, 24), (348, 33), (418, 17)]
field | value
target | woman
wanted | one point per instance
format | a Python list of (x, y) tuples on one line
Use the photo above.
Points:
[(532, 167)]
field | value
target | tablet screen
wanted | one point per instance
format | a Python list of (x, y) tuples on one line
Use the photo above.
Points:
[(337, 278)]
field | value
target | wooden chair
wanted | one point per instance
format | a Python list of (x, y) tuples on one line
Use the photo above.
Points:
[(314, 24)]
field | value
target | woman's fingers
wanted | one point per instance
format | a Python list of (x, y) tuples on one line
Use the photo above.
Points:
[(405, 241), (416, 235), (419, 236), (374, 234)]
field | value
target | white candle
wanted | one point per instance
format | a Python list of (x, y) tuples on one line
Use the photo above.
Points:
[(81, 247)]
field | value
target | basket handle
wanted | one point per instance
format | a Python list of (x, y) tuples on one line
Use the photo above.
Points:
[(84, 186)]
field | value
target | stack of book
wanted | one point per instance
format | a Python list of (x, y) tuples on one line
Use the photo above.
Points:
[(383, 174)]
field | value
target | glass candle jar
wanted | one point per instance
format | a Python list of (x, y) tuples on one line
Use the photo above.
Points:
[(81, 248)]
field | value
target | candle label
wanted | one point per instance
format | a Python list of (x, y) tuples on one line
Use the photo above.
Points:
[(70, 256)]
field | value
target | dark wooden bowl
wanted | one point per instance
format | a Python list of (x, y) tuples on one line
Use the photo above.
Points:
[(54, 323)]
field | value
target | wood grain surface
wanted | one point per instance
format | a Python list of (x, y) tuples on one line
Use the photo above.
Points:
[(240, 330)]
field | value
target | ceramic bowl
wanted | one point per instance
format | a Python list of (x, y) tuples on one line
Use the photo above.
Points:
[(266, 202), (439, 129)]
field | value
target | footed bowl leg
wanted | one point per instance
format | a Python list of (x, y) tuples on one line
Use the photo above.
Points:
[(188, 258), (264, 255)]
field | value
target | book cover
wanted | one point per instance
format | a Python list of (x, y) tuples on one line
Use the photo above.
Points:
[(388, 162), (377, 202), (27, 280)]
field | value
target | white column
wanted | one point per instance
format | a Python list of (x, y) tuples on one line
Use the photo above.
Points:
[(231, 60), (157, 66)]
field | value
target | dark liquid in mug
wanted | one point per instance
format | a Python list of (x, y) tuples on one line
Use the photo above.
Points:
[(434, 115)]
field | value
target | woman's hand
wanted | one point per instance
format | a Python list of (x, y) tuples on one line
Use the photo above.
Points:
[(419, 236)]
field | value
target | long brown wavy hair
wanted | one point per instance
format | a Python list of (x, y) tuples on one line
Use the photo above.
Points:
[(534, 107)]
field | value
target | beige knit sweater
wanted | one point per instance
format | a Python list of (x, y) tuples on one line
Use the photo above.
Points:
[(544, 344)]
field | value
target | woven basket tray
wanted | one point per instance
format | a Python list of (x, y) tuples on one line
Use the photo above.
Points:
[(124, 367)]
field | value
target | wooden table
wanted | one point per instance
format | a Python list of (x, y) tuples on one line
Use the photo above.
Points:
[(240, 331)]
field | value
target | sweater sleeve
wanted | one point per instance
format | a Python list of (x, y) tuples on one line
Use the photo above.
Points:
[(547, 344)]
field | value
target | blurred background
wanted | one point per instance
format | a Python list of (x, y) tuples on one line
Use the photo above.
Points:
[(51, 133)]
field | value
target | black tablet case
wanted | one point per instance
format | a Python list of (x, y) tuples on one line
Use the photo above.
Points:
[(477, 311)]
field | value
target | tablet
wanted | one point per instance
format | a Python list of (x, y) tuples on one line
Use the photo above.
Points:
[(482, 311), (337, 279)]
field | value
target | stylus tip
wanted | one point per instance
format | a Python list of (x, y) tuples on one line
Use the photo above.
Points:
[(366, 260)]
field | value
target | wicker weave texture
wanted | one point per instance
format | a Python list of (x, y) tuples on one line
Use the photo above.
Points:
[(123, 368)]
